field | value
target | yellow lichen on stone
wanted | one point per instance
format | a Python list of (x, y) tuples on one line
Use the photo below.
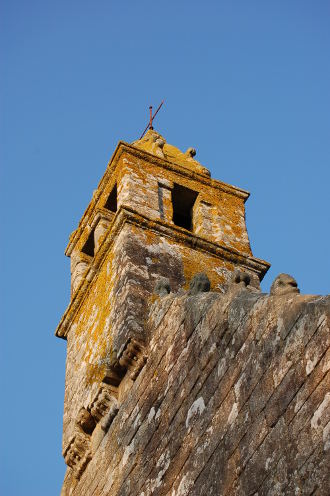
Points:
[(154, 143)]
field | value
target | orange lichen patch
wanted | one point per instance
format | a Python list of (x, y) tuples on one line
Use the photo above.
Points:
[(151, 301), (149, 173), (139, 190), (154, 143), (207, 264), (92, 331), (190, 260)]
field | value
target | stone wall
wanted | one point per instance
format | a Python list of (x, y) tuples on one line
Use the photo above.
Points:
[(114, 306), (232, 397)]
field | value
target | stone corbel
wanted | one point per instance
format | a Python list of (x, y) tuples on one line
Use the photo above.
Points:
[(114, 372), (104, 409), (103, 401), (133, 358), (97, 417), (85, 421), (78, 453)]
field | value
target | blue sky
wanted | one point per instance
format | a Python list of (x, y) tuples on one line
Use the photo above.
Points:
[(245, 82)]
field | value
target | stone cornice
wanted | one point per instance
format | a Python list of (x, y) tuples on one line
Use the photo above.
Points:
[(123, 147), (125, 215), (180, 169)]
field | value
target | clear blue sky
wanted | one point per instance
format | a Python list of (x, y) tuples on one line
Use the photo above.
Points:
[(245, 82)]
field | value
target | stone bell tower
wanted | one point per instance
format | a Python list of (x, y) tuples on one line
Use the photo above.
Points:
[(156, 213)]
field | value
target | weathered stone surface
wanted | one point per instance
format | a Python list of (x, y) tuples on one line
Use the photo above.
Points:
[(200, 283), (182, 377), (193, 423), (162, 286), (284, 284)]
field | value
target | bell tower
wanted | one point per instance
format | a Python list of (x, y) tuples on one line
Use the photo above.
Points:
[(156, 214)]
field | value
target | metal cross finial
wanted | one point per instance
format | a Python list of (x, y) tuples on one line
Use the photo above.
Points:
[(151, 118)]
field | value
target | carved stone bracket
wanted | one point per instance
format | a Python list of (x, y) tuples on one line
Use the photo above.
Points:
[(101, 411), (85, 421), (133, 358), (78, 453), (104, 399), (103, 408), (108, 418)]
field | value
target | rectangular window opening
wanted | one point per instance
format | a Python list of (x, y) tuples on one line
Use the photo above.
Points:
[(111, 203), (183, 200), (89, 246)]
